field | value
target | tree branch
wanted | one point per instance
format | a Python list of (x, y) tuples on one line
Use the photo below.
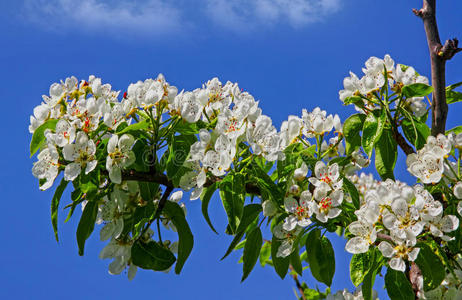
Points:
[(162, 179), (439, 54), (402, 142)]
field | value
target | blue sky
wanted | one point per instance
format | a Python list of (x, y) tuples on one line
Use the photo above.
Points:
[(289, 54)]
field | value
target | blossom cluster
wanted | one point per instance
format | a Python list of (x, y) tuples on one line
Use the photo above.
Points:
[(240, 120), (376, 74), (393, 215)]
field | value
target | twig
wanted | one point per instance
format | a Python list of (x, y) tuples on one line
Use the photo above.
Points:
[(297, 283), (439, 54)]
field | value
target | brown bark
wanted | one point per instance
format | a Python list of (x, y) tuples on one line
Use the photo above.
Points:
[(439, 54)]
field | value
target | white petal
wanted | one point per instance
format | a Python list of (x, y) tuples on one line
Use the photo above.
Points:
[(115, 175), (397, 264), (449, 223), (290, 204), (106, 232), (91, 165), (413, 254), (386, 249), (357, 245), (117, 266), (72, 171), (132, 271), (290, 223), (112, 144)]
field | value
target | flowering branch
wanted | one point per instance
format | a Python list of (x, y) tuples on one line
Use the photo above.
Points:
[(439, 54), (163, 180)]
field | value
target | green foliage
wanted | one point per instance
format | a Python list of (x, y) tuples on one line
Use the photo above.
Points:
[(178, 152), (372, 130), (251, 251), (86, 224), (431, 266), (415, 131), (152, 256), (360, 265), (186, 240), (386, 154), (55, 204), (416, 90), (281, 264), (351, 129), (206, 197), (320, 257), (250, 213), (398, 286), (232, 193), (38, 138)]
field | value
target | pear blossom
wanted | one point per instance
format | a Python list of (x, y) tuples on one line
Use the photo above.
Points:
[(299, 211), (365, 235), (120, 251), (458, 190), (316, 122), (326, 205), (269, 209), (398, 254), (111, 215), (287, 239), (119, 156), (47, 166), (82, 154), (300, 173), (326, 175)]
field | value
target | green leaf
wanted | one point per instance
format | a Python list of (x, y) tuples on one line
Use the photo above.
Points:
[(453, 97), (281, 264), (372, 130), (453, 86), (386, 154), (369, 278), (416, 132), (265, 253), (455, 130), (356, 100), (250, 213), (432, 268), (251, 251), (265, 183), (178, 152), (351, 129), (321, 258), (360, 265), (416, 90), (186, 240), (205, 198), (86, 224), (232, 193), (55, 204), (148, 190), (38, 138), (350, 188), (151, 256), (134, 127), (296, 262), (397, 285)]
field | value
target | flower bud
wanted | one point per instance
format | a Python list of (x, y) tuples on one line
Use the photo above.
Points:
[(294, 189), (269, 209), (458, 190)]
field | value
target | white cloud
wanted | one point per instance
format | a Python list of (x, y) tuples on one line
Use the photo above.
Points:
[(250, 14), (163, 17), (123, 16)]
